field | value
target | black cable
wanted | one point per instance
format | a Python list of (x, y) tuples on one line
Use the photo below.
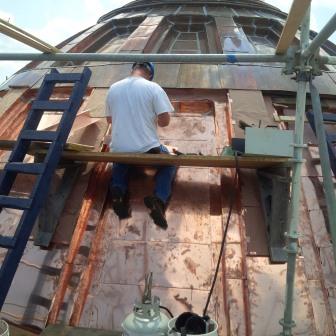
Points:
[(232, 199), (167, 310)]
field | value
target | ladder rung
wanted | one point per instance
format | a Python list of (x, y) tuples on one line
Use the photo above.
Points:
[(15, 202), (38, 135), (329, 117), (63, 77), (51, 105), (7, 242), (26, 168)]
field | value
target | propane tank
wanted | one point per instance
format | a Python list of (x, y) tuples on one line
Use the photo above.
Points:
[(146, 319)]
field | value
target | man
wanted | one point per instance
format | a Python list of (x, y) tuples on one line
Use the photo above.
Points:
[(136, 106)]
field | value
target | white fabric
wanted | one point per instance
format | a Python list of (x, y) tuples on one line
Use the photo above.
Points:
[(134, 104)]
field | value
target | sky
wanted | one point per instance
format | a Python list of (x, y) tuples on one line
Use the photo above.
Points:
[(54, 21)]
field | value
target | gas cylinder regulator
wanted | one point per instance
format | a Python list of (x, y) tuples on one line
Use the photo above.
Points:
[(147, 319)]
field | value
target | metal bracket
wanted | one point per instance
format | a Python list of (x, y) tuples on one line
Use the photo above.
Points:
[(293, 60), (299, 145), (274, 186), (303, 72)]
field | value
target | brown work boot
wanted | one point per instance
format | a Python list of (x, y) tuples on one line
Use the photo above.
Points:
[(157, 208), (120, 203)]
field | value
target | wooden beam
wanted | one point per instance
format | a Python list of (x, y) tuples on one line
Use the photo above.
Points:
[(165, 159), (177, 160), (26, 38), (295, 16)]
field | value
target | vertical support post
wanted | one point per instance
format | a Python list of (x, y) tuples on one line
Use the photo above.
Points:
[(292, 236), (328, 185)]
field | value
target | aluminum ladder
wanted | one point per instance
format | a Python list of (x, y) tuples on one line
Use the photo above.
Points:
[(43, 171)]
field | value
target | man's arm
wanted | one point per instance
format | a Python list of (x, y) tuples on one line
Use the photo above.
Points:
[(163, 119), (162, 106)]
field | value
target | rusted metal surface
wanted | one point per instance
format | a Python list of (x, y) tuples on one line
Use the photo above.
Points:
[(95, 180), (93, 258)]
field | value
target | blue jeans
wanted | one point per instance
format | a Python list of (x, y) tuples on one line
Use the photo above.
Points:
[(163, 178)]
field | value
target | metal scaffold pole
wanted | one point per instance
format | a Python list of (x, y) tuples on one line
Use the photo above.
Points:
[(303, 76), (321, 37), (328, 185)]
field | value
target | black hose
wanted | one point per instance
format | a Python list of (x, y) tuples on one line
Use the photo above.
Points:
[(232, 199), (168, 311)]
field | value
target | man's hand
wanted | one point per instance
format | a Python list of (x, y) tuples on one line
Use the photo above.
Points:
[(107, 137), (163, 119)]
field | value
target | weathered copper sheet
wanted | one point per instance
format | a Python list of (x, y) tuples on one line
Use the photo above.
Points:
[(249, 294)]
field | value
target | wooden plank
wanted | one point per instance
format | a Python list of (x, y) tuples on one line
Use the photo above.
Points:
[(26, 38), (294, 19), (286, 118), (164, 159), (180, 160)]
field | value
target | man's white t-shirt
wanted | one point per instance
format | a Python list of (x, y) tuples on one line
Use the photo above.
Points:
[(134, 104)]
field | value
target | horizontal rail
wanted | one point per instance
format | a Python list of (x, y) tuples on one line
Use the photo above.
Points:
[(328, 60), (123, 57), (177, 160), (162, 159), (163, 58)]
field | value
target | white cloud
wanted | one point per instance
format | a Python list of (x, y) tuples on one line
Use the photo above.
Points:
[(58, 29), (7, 16), (94, 9)]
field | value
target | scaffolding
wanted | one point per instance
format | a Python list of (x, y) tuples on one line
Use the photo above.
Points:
[(303, 61)]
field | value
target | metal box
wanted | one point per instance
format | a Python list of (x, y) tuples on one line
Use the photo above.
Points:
[(268, 141)]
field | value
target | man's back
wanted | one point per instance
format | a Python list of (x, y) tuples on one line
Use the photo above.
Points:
[(134, 104)]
